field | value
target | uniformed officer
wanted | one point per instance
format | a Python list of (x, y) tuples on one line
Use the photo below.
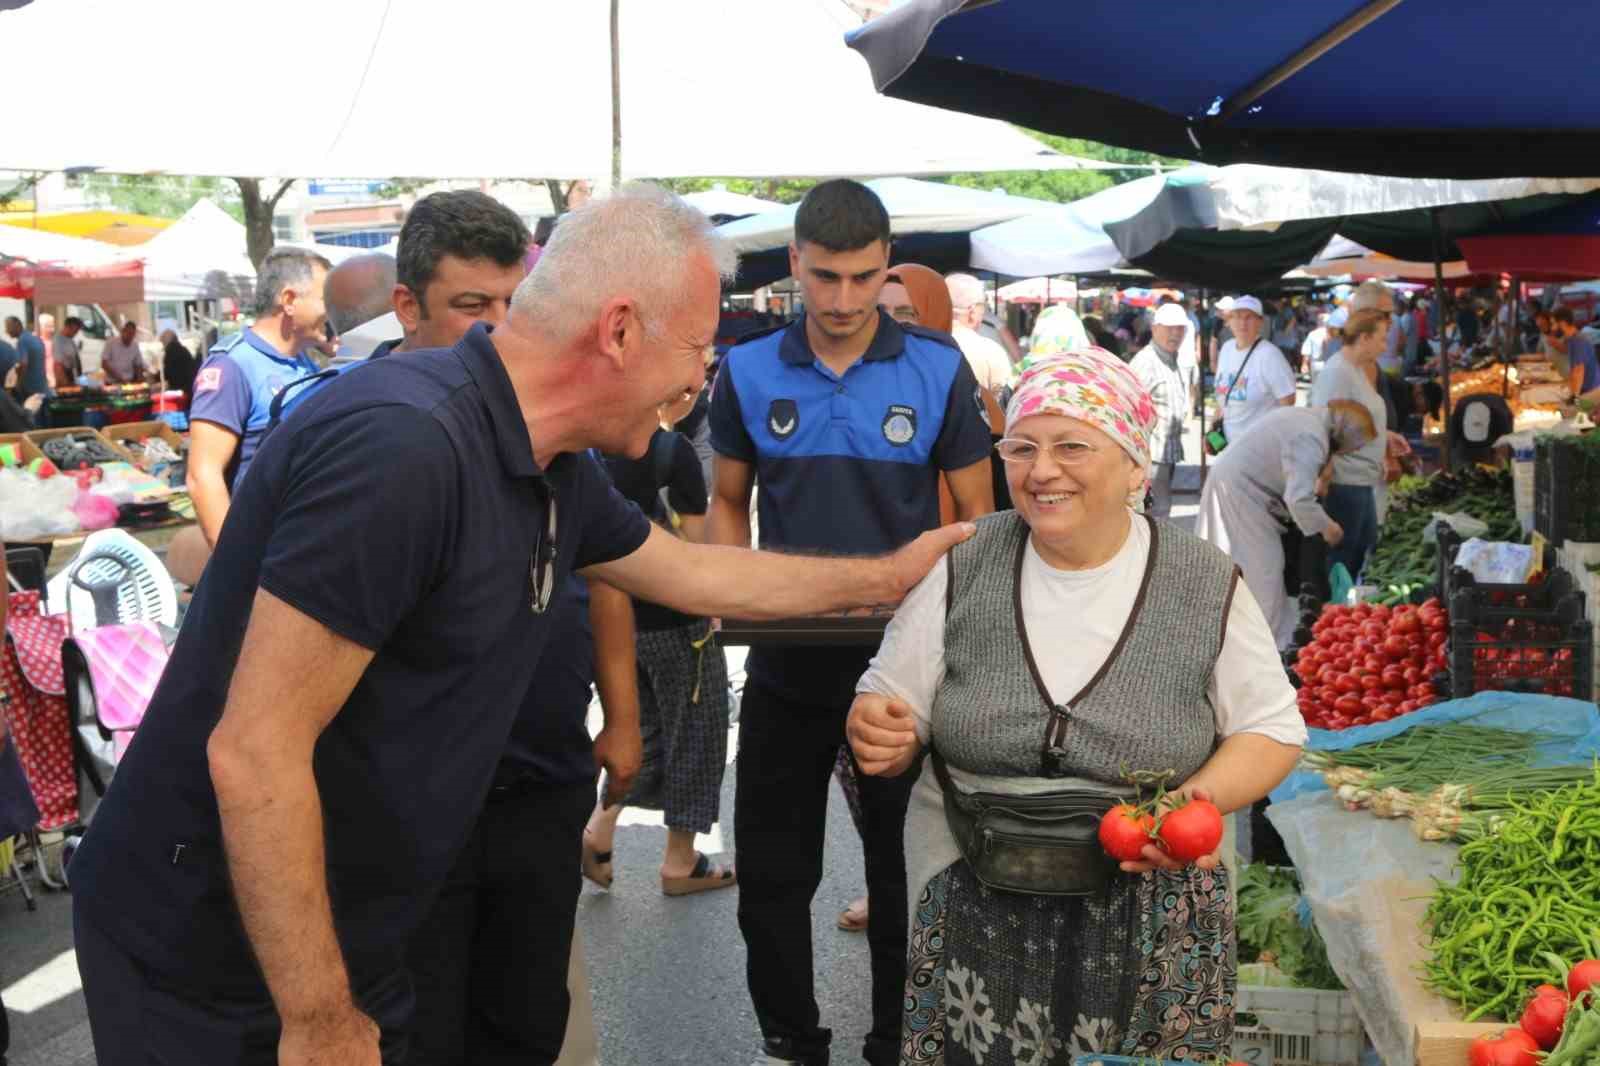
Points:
[(845, 420), (234, 387), (368, 628)]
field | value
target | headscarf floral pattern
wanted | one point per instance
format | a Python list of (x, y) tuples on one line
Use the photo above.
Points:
[(1093, 386)]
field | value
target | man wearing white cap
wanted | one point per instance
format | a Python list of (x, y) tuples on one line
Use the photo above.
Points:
[(1163, 377), (1253, 376)]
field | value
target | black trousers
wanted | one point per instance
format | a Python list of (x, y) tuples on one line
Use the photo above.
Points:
[(490, 960), (786, 756), (136, 1019)]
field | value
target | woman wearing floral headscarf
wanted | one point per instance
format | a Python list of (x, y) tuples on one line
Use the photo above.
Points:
[(1070, 641)]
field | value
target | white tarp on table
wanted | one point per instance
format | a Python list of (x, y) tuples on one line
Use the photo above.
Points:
[(698, 90), (914, 207)]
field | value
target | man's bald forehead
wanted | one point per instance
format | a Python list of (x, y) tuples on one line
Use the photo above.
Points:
[(359, 289)]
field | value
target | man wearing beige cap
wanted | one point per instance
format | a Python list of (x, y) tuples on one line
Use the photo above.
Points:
[(1253, 376), (1159, 371)]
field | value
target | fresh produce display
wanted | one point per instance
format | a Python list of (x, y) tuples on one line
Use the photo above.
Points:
[(1401, 563), (1545, 1015), (1511, 1048), (1527, 897), (1370, 663), (1525, 655), (1455, 781), (1580, 1033), (1271, 929), (1556, 1030)]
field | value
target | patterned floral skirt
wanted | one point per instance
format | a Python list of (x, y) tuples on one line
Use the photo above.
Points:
[(994, 978)]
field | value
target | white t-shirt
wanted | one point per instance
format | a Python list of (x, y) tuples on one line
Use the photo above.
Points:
[(989, 362), (1267, 379), (1249, 691)]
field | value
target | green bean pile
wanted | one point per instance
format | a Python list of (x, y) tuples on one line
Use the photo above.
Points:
[(1529, 890)]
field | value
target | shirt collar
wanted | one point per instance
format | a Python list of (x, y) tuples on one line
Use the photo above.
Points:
[(887, 343), (477, 352), (259, 343)]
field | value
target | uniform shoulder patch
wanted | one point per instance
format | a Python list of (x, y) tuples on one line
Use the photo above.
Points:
[(209, 379)]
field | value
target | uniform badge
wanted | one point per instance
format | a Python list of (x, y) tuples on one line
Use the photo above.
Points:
[(783, 418), (210, 379), (900, 425)]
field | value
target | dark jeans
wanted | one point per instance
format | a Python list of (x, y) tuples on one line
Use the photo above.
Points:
[(1355, 508), (490, 960), (136, 1019), (786, 756)]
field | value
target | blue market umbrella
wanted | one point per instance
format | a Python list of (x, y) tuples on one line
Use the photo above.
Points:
[(1472, 88)]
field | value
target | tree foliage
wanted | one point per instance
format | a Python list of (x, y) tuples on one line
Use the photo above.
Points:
[(162, 195)]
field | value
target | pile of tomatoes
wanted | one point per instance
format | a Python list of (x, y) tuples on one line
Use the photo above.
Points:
[(1370, 663)]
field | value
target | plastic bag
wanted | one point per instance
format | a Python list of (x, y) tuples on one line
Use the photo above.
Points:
[(31, 507), (95, 511), (1339, 583), (1464, 524), (1496, 562)]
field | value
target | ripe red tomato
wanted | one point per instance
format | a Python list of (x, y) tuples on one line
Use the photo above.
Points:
[(1348, 705), (1383, 714), (1395, 677), (1396, 647), (1371, 682), (1511, 1048), (1545, 1015), (1191, 831), (1347, 682), (1124, 832), (1405, 624), (1583, 977)]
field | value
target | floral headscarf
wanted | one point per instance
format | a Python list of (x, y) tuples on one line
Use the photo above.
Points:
[(1093, 386), (1058, 329)]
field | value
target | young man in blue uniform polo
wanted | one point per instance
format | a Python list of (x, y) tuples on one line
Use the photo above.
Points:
[(844, 419)]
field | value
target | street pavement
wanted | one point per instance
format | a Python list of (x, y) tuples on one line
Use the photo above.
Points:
[(667, 975)]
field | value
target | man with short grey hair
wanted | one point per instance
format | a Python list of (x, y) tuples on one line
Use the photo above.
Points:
[(989, 361), (234, 387), (355, 657)]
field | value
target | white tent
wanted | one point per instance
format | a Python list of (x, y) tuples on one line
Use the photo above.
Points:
[(718, 202), (914, 207), (708, 88), (204, 255)]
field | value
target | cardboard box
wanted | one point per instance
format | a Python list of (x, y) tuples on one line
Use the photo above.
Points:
[(25, 448), (1446, 1043), (128, 435), (38, 437)]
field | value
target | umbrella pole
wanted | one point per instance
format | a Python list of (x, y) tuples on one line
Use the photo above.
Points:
[(616, 97), (1203, 358), (1438, 303)]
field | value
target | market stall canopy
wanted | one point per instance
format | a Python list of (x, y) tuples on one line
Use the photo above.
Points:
[(111, 227), (720, 205), (1472, 89), (1244, 226), (930, 222), (688, 72), (1038, 291), (204, 256), (1361, 263), (1551, 246), (42, 246)]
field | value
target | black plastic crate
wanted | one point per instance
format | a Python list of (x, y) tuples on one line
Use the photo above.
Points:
[(1562, 474), (1548, 657), (1453, 578)]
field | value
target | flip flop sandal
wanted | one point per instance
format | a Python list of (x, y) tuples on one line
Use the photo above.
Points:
[(596, 864), (852, 920), (704, 878)]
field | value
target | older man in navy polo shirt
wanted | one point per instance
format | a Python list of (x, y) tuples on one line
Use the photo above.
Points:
[(352, 664), (845, 419)]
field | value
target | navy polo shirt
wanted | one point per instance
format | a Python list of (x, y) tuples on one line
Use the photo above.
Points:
[(845, 464), (400, 509)]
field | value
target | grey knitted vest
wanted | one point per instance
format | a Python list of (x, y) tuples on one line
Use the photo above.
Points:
[(1146, 708)]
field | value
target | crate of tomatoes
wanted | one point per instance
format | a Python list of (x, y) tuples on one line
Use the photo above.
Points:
[(1370, 663), (1530, 637)]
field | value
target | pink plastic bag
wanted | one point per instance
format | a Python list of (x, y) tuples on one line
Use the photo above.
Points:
[(95, 511)]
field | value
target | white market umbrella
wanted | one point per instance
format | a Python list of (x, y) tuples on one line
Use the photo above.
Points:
[(914, 207), (705, 91), (718, 202)]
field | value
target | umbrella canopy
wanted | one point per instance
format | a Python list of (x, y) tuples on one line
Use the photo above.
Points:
[(708, 88), (1038, 291), (111, 227), (42, 246), (1470, 89), (1551, 246)]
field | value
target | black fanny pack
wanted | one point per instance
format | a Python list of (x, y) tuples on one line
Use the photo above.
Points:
[(1044, 845)]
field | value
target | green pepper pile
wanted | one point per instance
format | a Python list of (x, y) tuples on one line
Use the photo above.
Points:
[(1402, 563), (1528, 891)]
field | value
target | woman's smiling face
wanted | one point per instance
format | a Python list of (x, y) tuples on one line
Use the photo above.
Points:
[(1079, 480)]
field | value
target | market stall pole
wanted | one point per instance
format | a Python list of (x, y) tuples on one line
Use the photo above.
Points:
[(1438, 304)]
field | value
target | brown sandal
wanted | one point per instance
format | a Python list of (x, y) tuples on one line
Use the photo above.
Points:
[(704, 878), (596, 864)]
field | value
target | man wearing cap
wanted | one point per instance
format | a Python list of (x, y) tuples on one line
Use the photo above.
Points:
[(988, 359), (1253, 376), (1160, 372)]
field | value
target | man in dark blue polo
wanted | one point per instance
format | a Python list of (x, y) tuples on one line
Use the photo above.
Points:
[(366, 632), (235, 386), (845, 419)]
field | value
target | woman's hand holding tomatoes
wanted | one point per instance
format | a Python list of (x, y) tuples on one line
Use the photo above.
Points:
[(1188, 833)]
